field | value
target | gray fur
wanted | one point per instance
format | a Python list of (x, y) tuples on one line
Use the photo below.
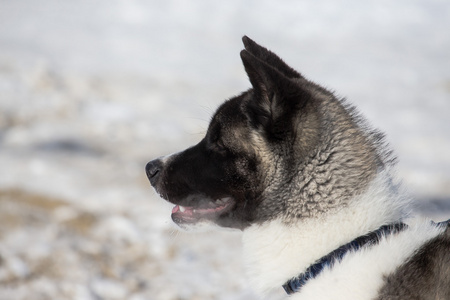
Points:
[(425, 276), (345, 158), (288, 149), (298, 151)]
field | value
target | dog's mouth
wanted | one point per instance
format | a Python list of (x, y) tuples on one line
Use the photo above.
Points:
[(194, 214)]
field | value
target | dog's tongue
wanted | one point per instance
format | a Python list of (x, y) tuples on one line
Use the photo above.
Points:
[(191, 212)]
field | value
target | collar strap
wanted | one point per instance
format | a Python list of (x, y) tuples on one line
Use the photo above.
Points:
[(295, 284), (443, 223)]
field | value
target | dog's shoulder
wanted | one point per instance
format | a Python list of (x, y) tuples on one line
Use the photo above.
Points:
[(426, 275)]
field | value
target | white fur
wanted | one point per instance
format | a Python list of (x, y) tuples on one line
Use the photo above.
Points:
[(276, 251), (360, 274)]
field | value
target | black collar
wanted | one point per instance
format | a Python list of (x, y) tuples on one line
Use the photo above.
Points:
[(295, 284)]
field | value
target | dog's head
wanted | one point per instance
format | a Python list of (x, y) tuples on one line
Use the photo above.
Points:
[(256, 147)]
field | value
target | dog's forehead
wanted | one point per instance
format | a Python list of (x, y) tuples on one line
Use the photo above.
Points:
[(228, 116)]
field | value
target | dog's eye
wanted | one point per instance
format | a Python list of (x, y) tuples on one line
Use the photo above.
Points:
[(219, 147)]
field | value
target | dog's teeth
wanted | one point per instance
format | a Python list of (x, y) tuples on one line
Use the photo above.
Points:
[(182, 209), (222, 200)]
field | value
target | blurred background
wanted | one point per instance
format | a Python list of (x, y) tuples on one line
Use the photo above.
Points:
[(92, 90)]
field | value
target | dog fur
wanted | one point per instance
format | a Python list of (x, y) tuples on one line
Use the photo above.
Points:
[(301, 173)]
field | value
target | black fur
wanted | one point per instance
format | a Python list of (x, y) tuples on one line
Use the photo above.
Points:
[(288, 149), (213, 169), (280, 140), (267, 56)]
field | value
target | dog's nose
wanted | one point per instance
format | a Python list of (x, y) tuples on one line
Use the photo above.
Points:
[(153, 170)]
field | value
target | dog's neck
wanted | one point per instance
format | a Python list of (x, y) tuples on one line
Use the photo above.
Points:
[(276, 251), (295, 284)]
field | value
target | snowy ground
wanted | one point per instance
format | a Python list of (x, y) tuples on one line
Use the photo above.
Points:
[(90, 91)]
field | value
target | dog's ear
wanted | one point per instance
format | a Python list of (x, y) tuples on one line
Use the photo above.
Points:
[(275, 96), (269, 57)]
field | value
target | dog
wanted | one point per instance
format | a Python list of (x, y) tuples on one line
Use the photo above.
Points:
[(311, 186)]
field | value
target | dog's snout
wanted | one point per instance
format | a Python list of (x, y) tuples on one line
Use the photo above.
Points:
[(153, 170)]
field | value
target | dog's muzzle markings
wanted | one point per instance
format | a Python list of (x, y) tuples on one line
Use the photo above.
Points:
[(203, 209)]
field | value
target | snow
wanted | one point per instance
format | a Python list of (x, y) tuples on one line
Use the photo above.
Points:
[(91, 91)]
